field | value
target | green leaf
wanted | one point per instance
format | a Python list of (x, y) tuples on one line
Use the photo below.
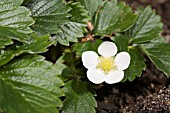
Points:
[(5, 41), (79, 98), (121, 42), (14, 22), (114, 17), (60, 65), (137, 65), (70, 31), (69, 73), (159, 40), (92, 7), (147, 27), (15, 103), (25, 2), (69, 69), (49, 15), (33, 83), (35, 45), (91, 45), (79, 13), (159, 54)]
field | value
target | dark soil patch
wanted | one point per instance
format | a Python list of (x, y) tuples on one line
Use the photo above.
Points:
[(158, 102)]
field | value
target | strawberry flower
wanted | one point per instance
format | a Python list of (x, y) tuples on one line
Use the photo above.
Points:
[(107, 67)]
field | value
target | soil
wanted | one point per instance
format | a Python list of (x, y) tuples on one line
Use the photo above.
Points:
[(151, 92)]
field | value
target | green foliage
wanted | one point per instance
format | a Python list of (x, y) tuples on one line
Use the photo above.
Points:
[(137, 65), (91, 45), (159, 53), (60, 65), (70, 69), (92, 7), (121, 42), (79, 98), (147, 27), (48, 15), (78, 12), (74, 29), (113, 17), (33, 84), (14, 22), (34, 45)]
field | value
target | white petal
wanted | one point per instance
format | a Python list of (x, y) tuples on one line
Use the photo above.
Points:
[(95, 75), (122, 60), (114, 77), (90, 59), (107, 49)]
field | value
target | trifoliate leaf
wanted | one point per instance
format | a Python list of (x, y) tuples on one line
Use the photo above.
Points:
[(121, 42), (49, 15), (70, 31), (91, 6), (137, 65), (159, 53), (79, 98), (114, 17), (81, 47), (33, 83), (14, 22), (35, 45), (147, 27)]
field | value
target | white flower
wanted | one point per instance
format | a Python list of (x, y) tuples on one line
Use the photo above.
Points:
[(106, 68)]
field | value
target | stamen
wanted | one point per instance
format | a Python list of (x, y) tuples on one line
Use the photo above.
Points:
[(106, 64)]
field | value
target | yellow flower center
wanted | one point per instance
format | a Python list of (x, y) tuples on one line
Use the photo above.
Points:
[(106, 64)]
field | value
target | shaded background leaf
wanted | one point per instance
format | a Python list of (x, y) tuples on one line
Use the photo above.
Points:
[(91, 45)]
